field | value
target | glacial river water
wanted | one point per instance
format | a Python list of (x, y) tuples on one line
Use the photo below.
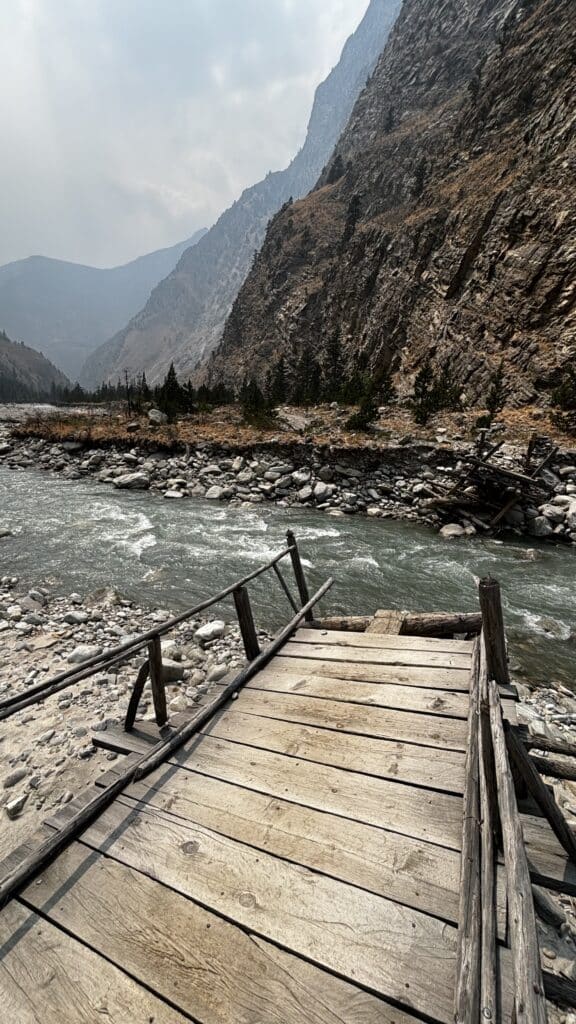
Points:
[(81, 536)]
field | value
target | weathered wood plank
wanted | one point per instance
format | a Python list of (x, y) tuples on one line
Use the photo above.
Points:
[(47, 977), (386, 622), (383, 641), (418, 874), (374, 656), (402, 726), (387, 759), (383, 695), (392, 950), (209, 968), (396, 807), (401, 675)]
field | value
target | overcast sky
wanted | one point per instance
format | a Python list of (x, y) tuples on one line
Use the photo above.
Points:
[(128, 124)]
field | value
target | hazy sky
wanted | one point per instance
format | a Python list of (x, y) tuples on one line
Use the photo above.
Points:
[(128, 124)]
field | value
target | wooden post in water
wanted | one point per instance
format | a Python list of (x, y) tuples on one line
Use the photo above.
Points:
[(299, 573), (493, 627), (158, 691), (246, 622)]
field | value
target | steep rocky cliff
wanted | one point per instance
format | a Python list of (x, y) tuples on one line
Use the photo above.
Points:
[(66, 310), (185, 315), (25, 374), (445, 221)]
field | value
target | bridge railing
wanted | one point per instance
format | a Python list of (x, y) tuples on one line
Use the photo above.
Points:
[(151, 641)]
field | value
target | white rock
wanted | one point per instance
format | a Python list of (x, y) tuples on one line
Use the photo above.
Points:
[(132, 482), (178, 704), (173, 494), (211, 630), (214, 493), (217, 673), (83, 653), (157, 418), (452, 530)]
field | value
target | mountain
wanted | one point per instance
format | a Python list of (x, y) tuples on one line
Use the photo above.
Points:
[(66, 309), (25, 374), (185, 315), (444, 224)]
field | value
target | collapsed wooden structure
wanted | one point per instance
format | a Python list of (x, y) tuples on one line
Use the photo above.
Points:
[(334, 835)]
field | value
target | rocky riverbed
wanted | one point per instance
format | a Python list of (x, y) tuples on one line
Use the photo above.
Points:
[(46, 750), (401, 481)]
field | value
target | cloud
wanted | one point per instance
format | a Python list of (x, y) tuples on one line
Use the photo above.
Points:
[(128, 124)]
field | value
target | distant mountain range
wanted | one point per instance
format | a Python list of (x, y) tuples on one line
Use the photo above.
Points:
[(185, 315), (24, 373), (443, 227), (66, 310)]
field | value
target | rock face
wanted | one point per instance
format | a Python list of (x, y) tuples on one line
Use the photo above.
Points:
[(25, 375), (444, 222), (185, 315), (66, 310)]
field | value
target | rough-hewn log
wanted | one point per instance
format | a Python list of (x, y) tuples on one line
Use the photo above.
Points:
[(156, 680), (246, 623), (541, 793), (555, 746), (559, 990), (444, 624), (488, 828), (136, 696), (556, 767), (493, 627), (468, 953), (529, 986), (299, 573)]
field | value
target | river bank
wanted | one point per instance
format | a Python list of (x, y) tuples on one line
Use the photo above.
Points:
[(405, 479), (46, 750)]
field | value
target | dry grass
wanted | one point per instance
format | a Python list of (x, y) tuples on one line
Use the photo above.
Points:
[(324, 426)]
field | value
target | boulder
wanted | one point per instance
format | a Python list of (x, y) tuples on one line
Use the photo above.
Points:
[(540, 527), (132, 482), (452, 530), (214, 493), (211, 630), (157, 418)]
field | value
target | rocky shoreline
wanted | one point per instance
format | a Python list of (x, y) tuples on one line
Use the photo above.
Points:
[(400, 481), (46, 750)]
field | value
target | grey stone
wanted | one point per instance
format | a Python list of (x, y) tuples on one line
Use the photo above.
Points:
[(132, 482), (15, 807), (540, 527), (211, 630), (15, 777), (157, 418), (214, 493), (452, 530), (217, 673), (76, 618), (83, 653)]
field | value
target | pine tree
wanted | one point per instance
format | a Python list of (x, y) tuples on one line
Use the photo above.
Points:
[(170, 398)]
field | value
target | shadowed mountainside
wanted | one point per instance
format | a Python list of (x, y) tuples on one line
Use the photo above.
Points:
[(444, 223)]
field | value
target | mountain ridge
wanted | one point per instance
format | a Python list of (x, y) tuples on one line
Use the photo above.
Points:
[(185, 315), (25, 372), (66, 309), (442, 225)]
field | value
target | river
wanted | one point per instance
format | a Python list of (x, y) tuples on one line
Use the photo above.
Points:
[(81, 536)]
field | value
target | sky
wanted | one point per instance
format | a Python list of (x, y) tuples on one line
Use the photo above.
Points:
[(126, 125)]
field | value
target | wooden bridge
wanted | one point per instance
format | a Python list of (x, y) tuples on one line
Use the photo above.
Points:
[(319, 844)]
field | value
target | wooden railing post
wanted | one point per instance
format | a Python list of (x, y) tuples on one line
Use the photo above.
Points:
[(493, 626), (299, 574), (158, 691), (246, 622)]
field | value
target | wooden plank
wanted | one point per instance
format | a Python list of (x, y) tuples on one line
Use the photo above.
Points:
[(387, 759), (396, 807), (383, 641), (47, 977), (393, 951), (401, 675), (212, 970), (374, 655), (541, 794), (386, 622), (383, 695), (418, 874), (406, 726)]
